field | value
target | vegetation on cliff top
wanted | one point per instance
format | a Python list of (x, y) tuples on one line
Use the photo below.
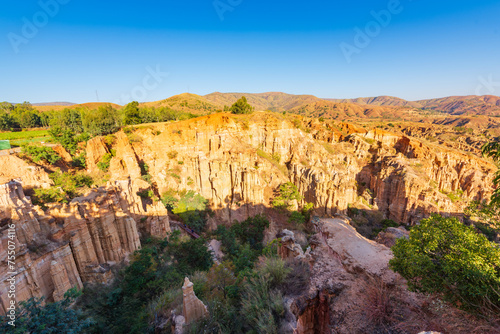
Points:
[(241, 107)]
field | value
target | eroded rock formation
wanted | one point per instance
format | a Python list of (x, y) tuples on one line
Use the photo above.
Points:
[(192, 308), (68, 244), (342, 261)]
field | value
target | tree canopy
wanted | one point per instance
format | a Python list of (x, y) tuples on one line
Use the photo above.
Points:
[(444, 256), (241, 107)]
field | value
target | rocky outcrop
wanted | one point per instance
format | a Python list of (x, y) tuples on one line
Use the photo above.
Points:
[(61, 151), (193, 308), (390, 235), (410, 180), (69, 244), (342, 262), (96, 149), (16, 168), (287, 246)]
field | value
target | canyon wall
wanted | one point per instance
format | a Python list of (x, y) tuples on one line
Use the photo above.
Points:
[(69, 244), (237, 163)]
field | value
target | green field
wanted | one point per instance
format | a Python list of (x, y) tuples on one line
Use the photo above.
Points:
[(25, 137)]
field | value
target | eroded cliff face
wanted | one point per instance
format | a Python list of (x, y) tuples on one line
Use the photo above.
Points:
[(69, 244), (410, 179), (237, 163)]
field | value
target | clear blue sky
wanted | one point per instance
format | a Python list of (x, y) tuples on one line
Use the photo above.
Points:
[(427, 49)]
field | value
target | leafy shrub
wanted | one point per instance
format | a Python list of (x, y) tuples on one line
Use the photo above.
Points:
[(67, 186), (251, 231), (35, 317), (79, 161), (286, 193), (70, 182), (146, 193), (275, 269), (104, 163), (169, 199), (443, 255), (296, 218), (145, 172), (43, 196), (172, 154), (41, 153)]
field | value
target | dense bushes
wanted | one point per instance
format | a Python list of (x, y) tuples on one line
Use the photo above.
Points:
[(41, 153), (103, 164), (146, 287), (444, 256), (254, 298), (66, 187), (35, 317), (189, 206), (20, 115), (242, 242)]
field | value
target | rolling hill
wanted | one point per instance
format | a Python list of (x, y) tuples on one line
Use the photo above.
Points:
[(453, 105), (88, 105), (187, 102), (343, 111), (274, 101)]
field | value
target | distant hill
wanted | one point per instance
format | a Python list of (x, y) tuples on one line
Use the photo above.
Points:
[(88, 105), (342, 111), (380, 101), (67, 104), (453, 105), (187, 102), (465, 105), (274, 101)]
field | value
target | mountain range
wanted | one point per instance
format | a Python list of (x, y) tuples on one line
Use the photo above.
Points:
[(365, 107)]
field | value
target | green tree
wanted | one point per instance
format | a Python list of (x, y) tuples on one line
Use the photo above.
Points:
[(58, 317), (132, 114), (67, 119), (241, 107), (7, 107), (220, 277), (444, 256), (492, 150), (286, 194), (103, 121), (29, 119), (7, 121)]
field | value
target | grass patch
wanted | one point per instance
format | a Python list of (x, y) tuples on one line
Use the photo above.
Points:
[(273, 161), (24, 135)]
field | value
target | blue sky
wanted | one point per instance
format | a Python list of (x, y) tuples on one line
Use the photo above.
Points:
[(421, 49)]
